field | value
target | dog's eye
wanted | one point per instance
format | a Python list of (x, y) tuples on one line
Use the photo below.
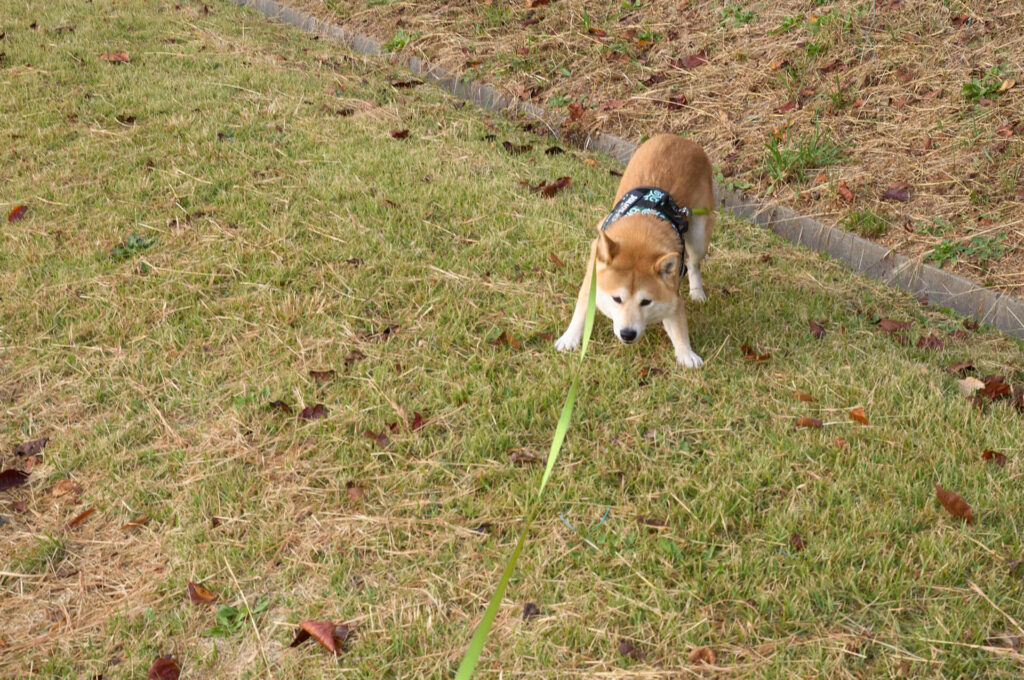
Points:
[(644, 303), (617, 299)]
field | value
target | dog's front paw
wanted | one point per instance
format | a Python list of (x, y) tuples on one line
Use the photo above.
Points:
[(689, 359), (568, 342), (698, 295)]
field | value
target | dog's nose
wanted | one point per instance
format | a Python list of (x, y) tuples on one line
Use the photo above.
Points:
[(628, 335)]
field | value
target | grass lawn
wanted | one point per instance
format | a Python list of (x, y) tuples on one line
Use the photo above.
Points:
[(229, 211)]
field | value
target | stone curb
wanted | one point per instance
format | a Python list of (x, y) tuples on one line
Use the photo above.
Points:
[(866, 257)]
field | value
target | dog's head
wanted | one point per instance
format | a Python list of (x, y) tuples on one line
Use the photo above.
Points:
[(637, 284)]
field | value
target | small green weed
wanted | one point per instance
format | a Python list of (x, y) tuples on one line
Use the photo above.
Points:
[(399, 40), (648, 36), (131, 246), (737, 15), (731, 183), (560, 100), (788, 24), (231, 619), (987, 86), (980, 249), (865, 223), (790, 162)]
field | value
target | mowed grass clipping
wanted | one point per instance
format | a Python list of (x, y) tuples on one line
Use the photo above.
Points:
[(207, 223)]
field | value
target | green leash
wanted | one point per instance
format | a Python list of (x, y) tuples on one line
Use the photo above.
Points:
[(476, 645)]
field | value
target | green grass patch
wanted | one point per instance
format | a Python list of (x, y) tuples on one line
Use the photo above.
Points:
[(789, 160), (866, 223), (981, 249)]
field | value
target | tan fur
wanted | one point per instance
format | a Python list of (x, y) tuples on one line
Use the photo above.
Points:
[(638, 256)]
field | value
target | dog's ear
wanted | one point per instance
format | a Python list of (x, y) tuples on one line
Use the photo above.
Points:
[(667, 266), (606, 248)]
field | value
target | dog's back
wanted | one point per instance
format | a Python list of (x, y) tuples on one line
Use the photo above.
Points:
[(675, 165)]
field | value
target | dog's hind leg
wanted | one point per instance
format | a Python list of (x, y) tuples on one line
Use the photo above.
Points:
[(696, 244)]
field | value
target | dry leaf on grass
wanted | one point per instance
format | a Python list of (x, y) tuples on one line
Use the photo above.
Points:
[(354, 492), (962, 368), (379, 438), (506, 339), (555, 261), (17, 213), (553, 150), (703, 655), (859, 415), (969, 385), (899, 191), (78, 519), (400, 134), (817, 329), (955, 505), (889, 326), (751, 355), (418, 421), (31, 448), (164, 668), (326, 633), (12, 478), (549, 189), (803, 396), (929, 342), (323, 376), (994, 387), (516, 149), (279, 405), (805, 421), (796, 542), (994, 457), (314, 412), (627, 648), (199, 594), (115, 57), (530, 610)]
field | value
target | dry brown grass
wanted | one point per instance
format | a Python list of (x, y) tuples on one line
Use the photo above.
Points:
[(882, 78)]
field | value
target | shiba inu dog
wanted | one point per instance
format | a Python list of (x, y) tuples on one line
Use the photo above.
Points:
[(664, 205)]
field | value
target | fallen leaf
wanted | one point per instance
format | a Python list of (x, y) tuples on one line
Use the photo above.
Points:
[(379, 438), (1006, 85), (834, 65), (553, 150), (959, 20), (971, 324), (116, 57), (962, 368), (418, 421), (279, 405), (383, 334), (995, 388), (785, 108), (555, 261), (400, 134), (354, 356), (597, 32), (968, 386), (627, 648), (326, 633), (516, 149), (536, 3), (704, 654), (164, 668), (17, 212), (12, 478), (64, 487), (322, 376), (804, 421), (1005, 131), (315, 412), (354, 492), (796, 542), (576, 111), (692, 61), (78, 519), (859, 415), (955, 505), (897, 192), (506, 339), (841, 444), (554, 187), (994, 457), (32, 448), (930, 342), (803, 396), (405, 84), (200, 594), (777, 64), (530, 610), (652, 522), (888, 325), (845, 192), (125, 119), (751, 355), (817, 329)]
